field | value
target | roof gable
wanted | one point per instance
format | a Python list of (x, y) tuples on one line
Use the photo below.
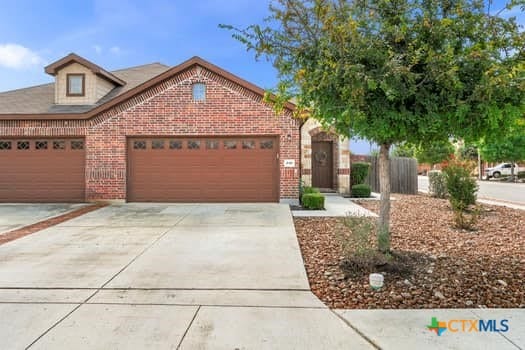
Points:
[(54, 67), (38, 101), (126, 94)]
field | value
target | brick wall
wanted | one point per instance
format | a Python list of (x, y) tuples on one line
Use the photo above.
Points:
[(165, 110)]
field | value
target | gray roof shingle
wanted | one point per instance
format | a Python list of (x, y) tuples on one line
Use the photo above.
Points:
[(40, 99)]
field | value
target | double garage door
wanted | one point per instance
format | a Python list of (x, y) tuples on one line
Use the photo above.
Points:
[(167, 169), (42, 170), (203, 169)]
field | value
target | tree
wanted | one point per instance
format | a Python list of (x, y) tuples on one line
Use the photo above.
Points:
[(468, 152), (392, 71), (510, 148), (434, 152), (404, 150)]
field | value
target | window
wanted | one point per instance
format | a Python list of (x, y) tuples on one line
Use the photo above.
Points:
[(41, 145), (157, 144), (22, 145), (77, 144), (5, 145), (59, 144), (175, 144), (212, 144), (194, 144), (199, 92), (268, 144), (248, 144), (76, 84), (230, 144), (139, 144)]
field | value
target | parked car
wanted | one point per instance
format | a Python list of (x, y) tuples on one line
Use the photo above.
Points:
[(503, 169)]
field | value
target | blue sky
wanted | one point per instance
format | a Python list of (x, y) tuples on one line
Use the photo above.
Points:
[(119, 34), (122, 33)]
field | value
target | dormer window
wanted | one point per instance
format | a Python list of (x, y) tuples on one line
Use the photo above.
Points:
[(199, 92), (76, 84)]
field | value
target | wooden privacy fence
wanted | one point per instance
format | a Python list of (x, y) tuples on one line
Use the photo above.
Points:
[(403, 174)]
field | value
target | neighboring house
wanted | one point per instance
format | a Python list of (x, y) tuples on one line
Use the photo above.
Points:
[(189, 133)]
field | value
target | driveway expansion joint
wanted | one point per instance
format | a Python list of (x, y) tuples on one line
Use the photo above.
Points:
[(188, 328), (98, 289), (355, 329), (500, 333)]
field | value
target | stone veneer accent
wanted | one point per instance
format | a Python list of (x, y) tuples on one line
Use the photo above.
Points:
[(312, 131)]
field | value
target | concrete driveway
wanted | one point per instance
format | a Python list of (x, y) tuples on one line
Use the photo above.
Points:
[(133, 276), (14, 216)]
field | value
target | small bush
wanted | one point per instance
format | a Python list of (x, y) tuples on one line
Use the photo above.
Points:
[(314, 201), (360, 253), (305, 190), (521, 174), (360, 242), (461, 186), (437, 184), (361, 191), (308, 189), (462, 190), (359, 172), (467, 219)]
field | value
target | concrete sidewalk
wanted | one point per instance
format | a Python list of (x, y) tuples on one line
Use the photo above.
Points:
[(335, 206), (407, 329), (207, 319)]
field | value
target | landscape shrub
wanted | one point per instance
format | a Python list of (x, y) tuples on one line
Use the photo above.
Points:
[(437, 184), (462, 190), (521, 174), (359, 172), (314, 201), (461, 187), (360, 250), (306, 189), (361, 191), (360, 241)]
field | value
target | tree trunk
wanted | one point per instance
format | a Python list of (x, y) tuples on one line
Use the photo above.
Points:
[(480, 170), (383, 232), (512, 178)]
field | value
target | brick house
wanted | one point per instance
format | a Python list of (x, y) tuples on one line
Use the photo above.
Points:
[(153, 133)]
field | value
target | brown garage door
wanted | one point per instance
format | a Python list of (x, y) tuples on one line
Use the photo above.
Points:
[(203, 169), (42, 170)]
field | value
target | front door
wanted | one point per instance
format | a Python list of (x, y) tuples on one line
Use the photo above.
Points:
[(322, 166)]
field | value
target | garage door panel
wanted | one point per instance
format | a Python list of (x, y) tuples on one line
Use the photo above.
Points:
[(48, 170), (216, 174)]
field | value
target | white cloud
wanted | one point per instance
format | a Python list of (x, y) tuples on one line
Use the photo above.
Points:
[(98, 49), (18, 57), (116, 50)]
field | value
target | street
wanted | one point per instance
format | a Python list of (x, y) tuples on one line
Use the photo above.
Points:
[(503, 191)]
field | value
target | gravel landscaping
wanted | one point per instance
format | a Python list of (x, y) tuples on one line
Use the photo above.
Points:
[(448, 268)]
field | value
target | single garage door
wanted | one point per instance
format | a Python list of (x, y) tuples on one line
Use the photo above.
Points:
[(203, 169), (42, 170)]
